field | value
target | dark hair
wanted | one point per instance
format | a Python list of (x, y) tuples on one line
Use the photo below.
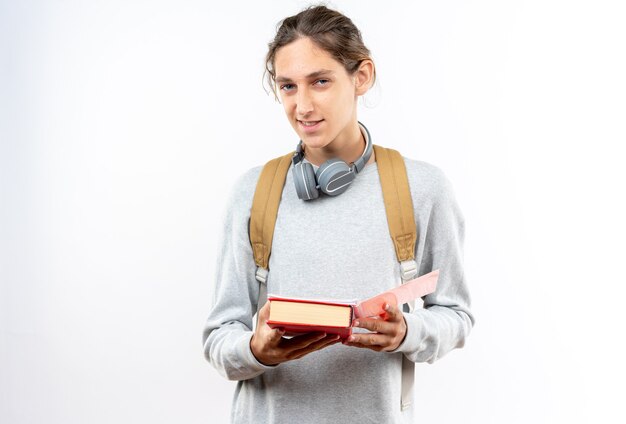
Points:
[(329, 30)]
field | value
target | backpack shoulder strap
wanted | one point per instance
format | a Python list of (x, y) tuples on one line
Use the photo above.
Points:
[(263, 214), (399, 207)]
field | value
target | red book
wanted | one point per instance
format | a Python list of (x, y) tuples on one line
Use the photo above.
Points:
[(298, 315)]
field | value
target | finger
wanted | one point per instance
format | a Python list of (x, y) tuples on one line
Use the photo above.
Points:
[(375, 325), (318, 346), (302, 341), (392, 313), (331, 339), (363, 346), (369, 339)]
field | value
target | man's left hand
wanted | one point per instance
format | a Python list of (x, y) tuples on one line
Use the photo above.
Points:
[(388, 332)]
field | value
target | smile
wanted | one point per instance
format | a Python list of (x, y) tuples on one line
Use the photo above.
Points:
[(310, 125)]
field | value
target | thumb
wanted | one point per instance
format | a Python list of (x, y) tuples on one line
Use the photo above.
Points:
[(264, 313), (392, 312)]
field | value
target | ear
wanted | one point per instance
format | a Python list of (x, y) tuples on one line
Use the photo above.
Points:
[(363, 77)]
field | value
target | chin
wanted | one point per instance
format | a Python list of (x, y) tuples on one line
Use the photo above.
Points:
[(314, 142)]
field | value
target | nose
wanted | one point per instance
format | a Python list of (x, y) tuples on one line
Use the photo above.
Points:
[(304, 103)]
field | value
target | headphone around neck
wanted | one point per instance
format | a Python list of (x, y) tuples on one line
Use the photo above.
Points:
[(333, 177)]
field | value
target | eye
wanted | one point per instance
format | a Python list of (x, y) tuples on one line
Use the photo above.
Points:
[(286, 87), (322, 82)]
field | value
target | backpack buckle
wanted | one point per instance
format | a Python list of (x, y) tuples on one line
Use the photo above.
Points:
[(261, 275), (408, 269)]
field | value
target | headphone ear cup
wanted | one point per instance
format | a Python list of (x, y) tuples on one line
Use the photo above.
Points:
[(334, 177), (304, 179)]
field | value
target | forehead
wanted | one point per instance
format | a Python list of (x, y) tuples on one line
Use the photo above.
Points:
[(302, 57)]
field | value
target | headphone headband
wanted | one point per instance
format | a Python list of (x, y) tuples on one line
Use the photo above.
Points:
[(333, 177), (367, 153)]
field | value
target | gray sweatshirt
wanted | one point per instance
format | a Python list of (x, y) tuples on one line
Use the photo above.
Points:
[(336, 247)]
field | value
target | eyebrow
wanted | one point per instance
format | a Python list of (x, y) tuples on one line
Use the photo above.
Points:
[(316, 74)]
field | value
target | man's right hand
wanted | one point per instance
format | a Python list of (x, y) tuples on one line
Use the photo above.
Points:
[(270, 348)]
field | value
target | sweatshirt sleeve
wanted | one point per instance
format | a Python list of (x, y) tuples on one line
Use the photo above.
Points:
[(445, 320), (228, 328)]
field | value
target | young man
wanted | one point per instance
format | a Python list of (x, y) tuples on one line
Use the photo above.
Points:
[(333, 246)]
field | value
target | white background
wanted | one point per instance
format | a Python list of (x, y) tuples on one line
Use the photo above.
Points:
[(123, 125)]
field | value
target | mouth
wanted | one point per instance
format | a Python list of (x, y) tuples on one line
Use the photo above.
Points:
[(309, 126)]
